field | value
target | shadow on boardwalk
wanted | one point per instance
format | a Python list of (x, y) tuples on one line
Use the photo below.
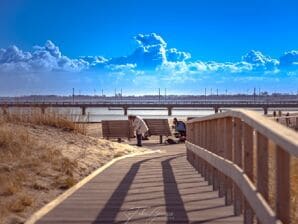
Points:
[(111, 209), (153, 188)]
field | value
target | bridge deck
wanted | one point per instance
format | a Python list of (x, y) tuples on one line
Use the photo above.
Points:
[(153, 188)]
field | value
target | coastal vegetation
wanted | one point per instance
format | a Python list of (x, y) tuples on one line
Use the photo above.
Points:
[(42, 155)]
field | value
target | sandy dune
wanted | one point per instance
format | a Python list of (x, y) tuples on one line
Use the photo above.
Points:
[(37, 163)]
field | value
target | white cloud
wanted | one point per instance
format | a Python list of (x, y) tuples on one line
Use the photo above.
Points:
[(259, 61), (148, 40), (45, 58), (13, 54), (152, 56), (289, 60), (151, 53), (94, 61), (174, 55), (121, 67)]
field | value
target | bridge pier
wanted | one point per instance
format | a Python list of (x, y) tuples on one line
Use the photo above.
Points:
[(170, 111), (125, 110), (83, 111), (265, 110), (216, 109)]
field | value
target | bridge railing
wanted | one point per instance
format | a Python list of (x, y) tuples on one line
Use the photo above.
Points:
[(162, 102), (251, 160)]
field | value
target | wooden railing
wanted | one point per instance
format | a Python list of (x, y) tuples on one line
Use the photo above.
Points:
[(246, 157)]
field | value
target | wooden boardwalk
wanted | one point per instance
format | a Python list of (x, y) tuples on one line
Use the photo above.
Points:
[(153, 188)]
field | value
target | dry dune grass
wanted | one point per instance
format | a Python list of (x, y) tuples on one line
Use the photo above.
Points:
[(23, 162), (43, 155), (52, 119)]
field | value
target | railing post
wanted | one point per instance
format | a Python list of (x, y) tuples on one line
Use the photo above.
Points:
[(262, 166), (283, 198), (196, 142), (228, 155), (215, 136), (206, 167), (189, 138), (201, 131), (220, 151), (237, 141), (248, 168), (209, 147), (204, 136)]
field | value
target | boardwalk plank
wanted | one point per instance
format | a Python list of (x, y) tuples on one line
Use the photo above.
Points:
[(155, 188)]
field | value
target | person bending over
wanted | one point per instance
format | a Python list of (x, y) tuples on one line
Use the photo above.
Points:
[(139, 127)]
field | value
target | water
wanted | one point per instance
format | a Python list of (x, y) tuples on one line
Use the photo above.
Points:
[(99, 114)]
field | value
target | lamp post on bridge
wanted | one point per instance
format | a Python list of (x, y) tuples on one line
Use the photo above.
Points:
[(159, 95)]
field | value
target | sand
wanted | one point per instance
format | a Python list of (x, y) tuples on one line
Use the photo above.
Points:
[(37, 163)]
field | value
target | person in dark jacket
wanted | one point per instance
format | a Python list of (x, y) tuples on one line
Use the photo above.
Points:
[(180, 129)]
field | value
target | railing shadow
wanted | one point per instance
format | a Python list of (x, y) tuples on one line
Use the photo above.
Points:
[(113, 205), (173, 210)]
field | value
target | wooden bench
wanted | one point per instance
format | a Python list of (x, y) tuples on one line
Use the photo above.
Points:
[(159, 127), (122, 128), (117, 129), (289, 121)]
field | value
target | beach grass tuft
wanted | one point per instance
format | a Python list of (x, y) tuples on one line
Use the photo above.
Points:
[(51, 118)]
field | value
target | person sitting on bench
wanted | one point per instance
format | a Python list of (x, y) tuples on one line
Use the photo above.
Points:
[(139, 127)]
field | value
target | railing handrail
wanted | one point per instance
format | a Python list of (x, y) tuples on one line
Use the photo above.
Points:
[(232, 150), (283, 136), (231, 170)]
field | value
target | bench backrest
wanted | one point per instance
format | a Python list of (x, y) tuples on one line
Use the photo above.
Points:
[(289, 121), (158, 127), (116, 129)]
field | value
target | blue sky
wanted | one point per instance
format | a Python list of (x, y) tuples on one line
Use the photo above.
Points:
[(51, 46)]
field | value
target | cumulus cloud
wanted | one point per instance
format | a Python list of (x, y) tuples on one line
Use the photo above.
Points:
[(259, 61), (253, 61), (148, 40), (94, 60), (289, 60), (42, 58), (151, 55), (174, 55), (13, 54), (121, 67)]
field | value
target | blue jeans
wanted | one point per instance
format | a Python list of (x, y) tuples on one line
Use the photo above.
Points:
[(139, 139)]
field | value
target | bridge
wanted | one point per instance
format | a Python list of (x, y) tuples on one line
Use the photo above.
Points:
[(236, 167), (168, 104)]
